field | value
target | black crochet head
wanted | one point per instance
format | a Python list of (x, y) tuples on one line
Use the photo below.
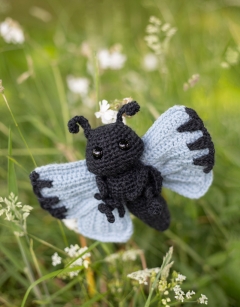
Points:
[(111, 149)]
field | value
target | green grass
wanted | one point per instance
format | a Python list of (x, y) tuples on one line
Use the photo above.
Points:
[(204, 232)]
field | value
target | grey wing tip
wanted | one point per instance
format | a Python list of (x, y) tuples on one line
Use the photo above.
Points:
[(47, 203), (194, 124)]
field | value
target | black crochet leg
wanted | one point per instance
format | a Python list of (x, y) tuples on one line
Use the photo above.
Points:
[(112, 204), (159, 221), (121, 211), (105, 209)]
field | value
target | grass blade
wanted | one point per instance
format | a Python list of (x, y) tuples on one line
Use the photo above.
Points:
[(12, 180)]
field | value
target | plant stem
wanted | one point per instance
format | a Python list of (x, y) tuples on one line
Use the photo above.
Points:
[(29, 272), (62, 97), (90, 275), (63, 233), (96, 79), (20, 132), (38, 269)]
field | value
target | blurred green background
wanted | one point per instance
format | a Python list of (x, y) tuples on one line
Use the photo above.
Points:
[(63, 39)]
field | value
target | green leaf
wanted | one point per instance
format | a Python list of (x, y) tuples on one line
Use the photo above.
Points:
[(12, 180)]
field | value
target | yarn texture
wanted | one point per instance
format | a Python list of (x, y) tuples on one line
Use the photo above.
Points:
[(124, 173)]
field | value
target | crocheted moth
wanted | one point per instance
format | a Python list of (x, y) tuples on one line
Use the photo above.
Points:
[(124, 173)]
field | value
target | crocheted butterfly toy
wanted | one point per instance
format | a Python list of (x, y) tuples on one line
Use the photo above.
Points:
[(124, 173)]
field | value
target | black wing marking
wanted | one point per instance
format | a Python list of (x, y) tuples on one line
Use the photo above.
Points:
[(194, 124), (47, 203)]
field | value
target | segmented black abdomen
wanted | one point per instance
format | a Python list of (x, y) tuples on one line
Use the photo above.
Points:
[(194, 124)]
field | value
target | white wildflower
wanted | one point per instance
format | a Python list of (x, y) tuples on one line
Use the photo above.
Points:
[(25, 208), (179, 294), (72, 250), (203, 299), (112, 258), (166, 27), (164, 301), (73, 273), (150, 62), (131, 255), (111, 60), (86, 49), (191, 82), (155, 20), (107, 116), (185, 86), (127, 100), (162, 286), (56, 259), (15, 212), (189, 294), (151, 39), (158, 37), (75, 251), (152, 29), (171, 32), (11, 31), (9, 216), (180, 278), (78, 85), (71, 224), (142, 275)]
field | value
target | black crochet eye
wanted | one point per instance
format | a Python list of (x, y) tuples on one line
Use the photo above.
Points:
[(97, 152), (124, 144)]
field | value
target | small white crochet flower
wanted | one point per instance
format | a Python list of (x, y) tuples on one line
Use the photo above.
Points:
[(11, 31), (107, 116)]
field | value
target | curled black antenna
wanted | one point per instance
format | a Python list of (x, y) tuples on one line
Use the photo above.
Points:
[(73, 125), (129, 109)]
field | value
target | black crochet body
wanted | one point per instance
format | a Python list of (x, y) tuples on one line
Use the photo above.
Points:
[(139, 190)]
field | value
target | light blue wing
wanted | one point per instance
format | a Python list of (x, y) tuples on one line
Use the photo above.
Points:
[(67, 191), (167, 150)]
